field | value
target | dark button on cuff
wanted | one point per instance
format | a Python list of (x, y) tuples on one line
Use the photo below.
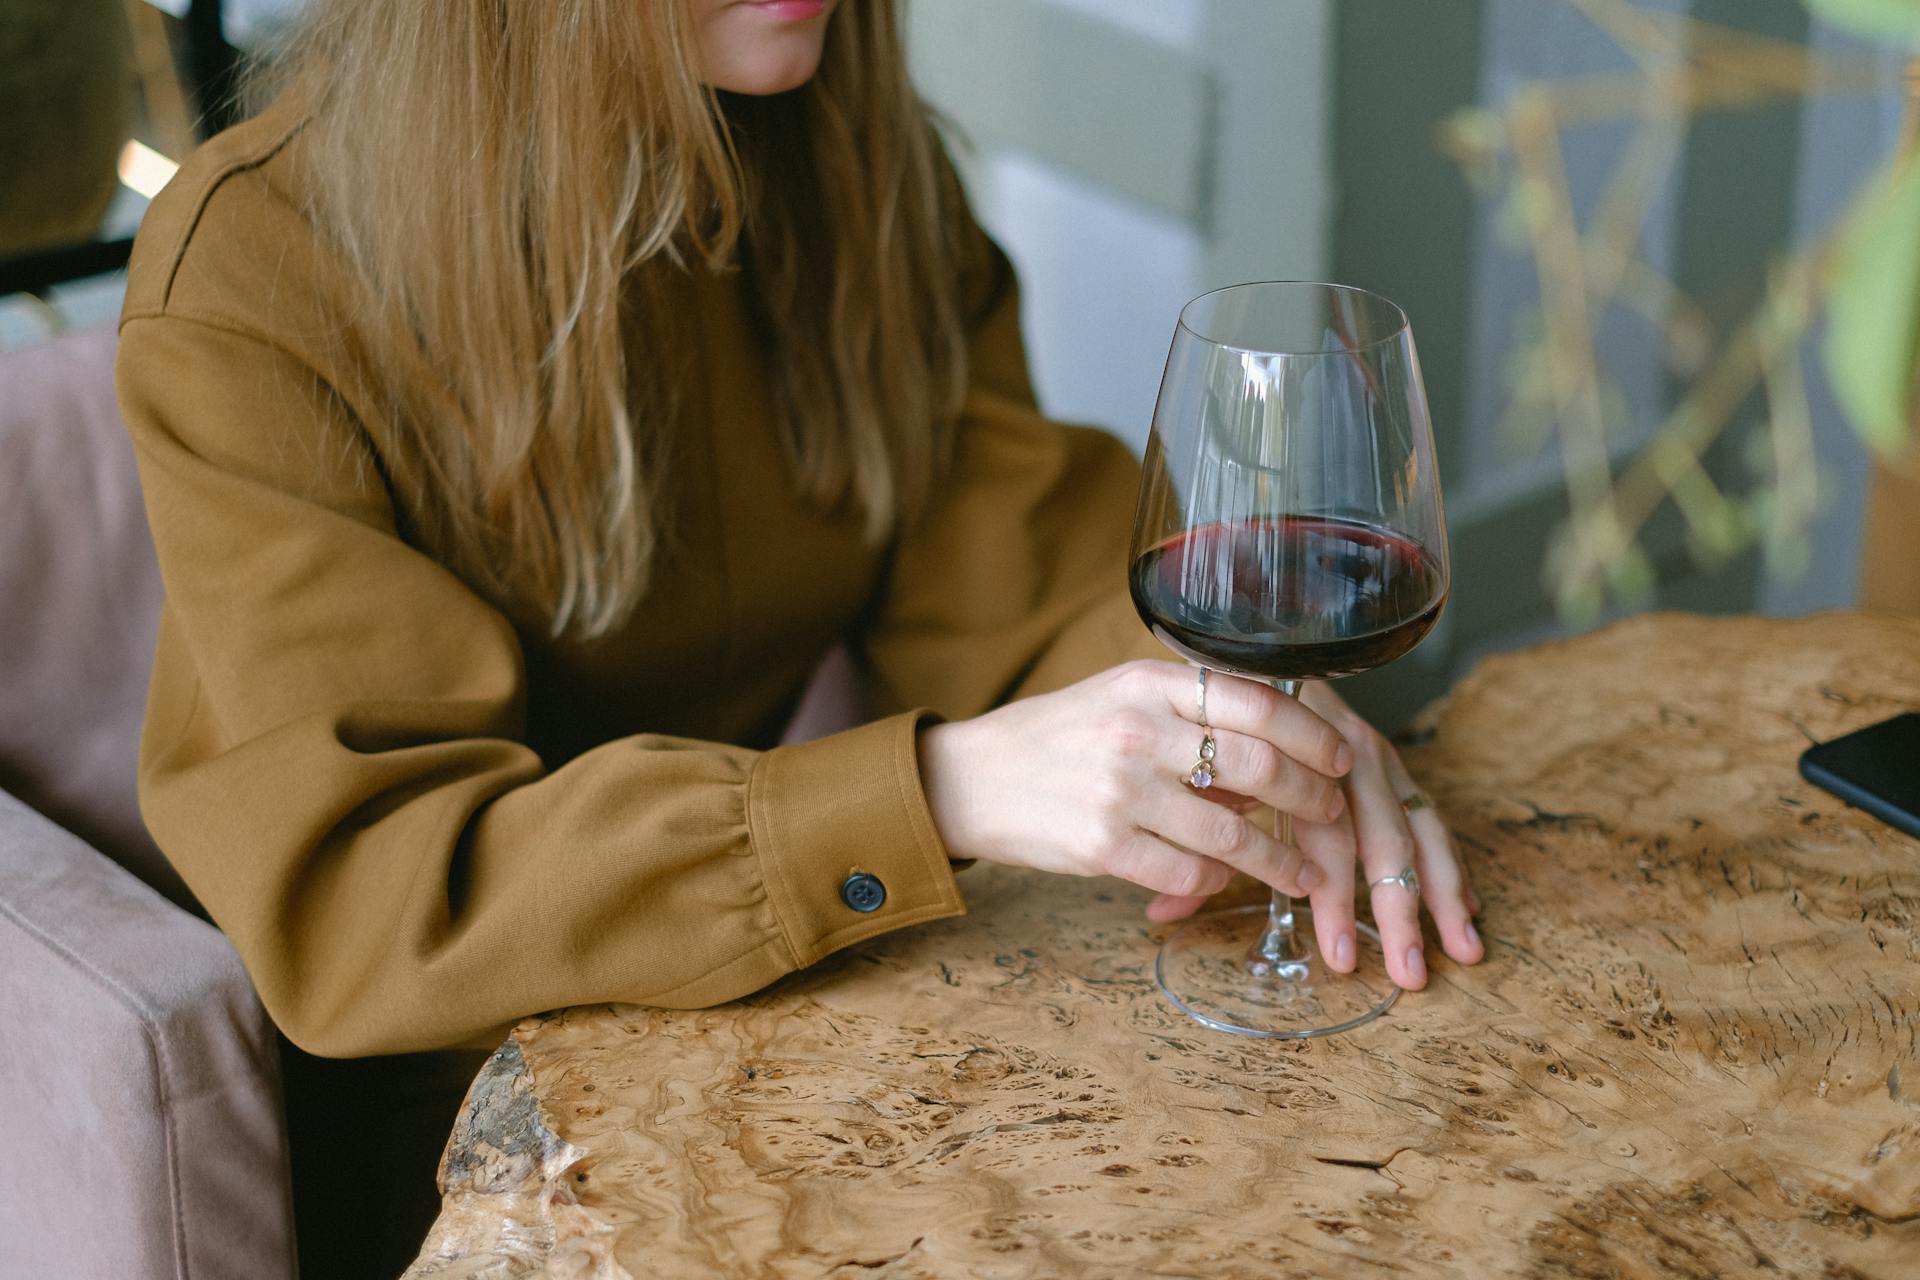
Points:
[(863, 892)]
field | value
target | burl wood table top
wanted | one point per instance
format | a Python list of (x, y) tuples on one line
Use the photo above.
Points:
[(1691, 1050)]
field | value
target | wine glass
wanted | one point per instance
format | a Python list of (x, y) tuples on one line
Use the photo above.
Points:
[(1289, 528)]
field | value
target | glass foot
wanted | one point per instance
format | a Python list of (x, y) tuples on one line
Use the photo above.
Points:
[(1203, 971)]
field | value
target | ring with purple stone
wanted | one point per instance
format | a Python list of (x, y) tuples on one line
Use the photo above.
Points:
[(1200, 777)]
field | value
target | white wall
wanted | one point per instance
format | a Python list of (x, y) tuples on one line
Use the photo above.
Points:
[(1102, 282), (1211, 167)]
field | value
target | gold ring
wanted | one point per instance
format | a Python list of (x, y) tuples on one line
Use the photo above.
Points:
[(1200, 777), (1418, 800)]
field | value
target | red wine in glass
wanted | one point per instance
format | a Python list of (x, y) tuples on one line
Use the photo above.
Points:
[(1289, 597)]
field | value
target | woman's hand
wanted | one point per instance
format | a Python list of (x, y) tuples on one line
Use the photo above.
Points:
[(1090, 781), (1384, 837)]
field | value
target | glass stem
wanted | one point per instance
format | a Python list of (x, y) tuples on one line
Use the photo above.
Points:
[(1280, 952)]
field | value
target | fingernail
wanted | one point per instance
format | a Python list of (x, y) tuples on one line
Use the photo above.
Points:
[(1343, 952), (1473, 934), (1342, 758), (1416, 965), (1310, 878)]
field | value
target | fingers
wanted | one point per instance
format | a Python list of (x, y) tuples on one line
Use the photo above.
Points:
[(1255, 709), (1251, 766), (1166, 907), (1443, 883), (1331, 847), (1343, 785), (1218, 833), (1386, 847), (1152, 863)]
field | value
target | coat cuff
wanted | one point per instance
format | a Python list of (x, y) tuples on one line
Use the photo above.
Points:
[(823, 814)]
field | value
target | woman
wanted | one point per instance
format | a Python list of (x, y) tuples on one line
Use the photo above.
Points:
[(526, 400)]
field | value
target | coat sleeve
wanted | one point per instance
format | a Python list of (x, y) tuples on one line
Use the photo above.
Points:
[(334, 755), (1013, 582)]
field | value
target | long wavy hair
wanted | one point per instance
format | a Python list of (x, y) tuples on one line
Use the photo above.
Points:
[(524, 187)]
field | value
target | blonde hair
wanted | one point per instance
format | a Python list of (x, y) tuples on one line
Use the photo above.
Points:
[(523, 186)]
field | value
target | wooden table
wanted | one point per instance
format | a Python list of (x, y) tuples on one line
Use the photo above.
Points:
[(1691, 1050)]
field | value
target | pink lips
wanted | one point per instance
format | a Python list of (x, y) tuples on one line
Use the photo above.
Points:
[(790, 10)]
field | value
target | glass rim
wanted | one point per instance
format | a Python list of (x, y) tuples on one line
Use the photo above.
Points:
[(1400, 329)]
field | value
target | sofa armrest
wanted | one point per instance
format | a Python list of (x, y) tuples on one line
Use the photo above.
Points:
[(139, 1082)]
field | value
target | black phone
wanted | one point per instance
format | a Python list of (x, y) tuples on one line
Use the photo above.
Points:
[(1876, 768)]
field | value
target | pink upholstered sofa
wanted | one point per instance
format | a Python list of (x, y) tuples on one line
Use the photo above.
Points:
[(139, 1078)]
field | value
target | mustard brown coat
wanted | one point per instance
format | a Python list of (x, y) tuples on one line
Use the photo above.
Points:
[(419, 819)]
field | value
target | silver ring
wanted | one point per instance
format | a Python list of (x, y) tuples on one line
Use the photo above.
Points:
[(1408, 879), (1200, 697), (1200, 777), (1417, 801)]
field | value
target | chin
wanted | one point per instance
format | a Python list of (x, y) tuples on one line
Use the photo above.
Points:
[(744, 49), (768, 76)]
